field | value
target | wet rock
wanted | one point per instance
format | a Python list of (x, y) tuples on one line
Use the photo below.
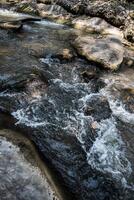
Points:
[(65, 55), (47, 127), (89, 73), (96, 106), (23, 175), (106, 51), (35, 49), (126, 131)]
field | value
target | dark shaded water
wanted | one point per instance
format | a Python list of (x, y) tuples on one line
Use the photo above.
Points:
[(79, 117)]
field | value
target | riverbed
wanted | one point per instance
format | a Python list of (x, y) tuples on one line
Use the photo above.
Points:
[(79, 117)]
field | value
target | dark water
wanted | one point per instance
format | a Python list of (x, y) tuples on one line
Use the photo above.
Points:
[(81, 119)]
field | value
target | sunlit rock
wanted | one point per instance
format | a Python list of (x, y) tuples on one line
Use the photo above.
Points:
[(106, 51), (120, 92), (96, 25), (11, 25)]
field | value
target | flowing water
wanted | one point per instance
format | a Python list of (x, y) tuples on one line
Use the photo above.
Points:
[(78, 122)]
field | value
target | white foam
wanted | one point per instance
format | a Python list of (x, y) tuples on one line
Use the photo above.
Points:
[(23, 118), (6, 93), (83, 101), (81, 121), (108, 153), (69, 86)]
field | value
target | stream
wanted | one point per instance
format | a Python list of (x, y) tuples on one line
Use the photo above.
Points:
[(79, 117)]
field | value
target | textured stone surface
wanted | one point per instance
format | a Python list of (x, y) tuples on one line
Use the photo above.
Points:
[(108, 51), (22, 173), (96, 25)]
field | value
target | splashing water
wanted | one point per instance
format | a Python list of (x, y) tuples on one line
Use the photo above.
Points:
[(107, 153), (62, 105)]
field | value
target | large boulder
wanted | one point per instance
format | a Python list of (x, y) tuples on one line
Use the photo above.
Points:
[(95, 25), (108, 51)]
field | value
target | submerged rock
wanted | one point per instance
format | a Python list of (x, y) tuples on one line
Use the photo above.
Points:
[(22, 173), (98, 108), (108, 52)]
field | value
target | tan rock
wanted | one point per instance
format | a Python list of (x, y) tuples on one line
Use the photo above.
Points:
[(10, 25), (107, 51), (96, 25)]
